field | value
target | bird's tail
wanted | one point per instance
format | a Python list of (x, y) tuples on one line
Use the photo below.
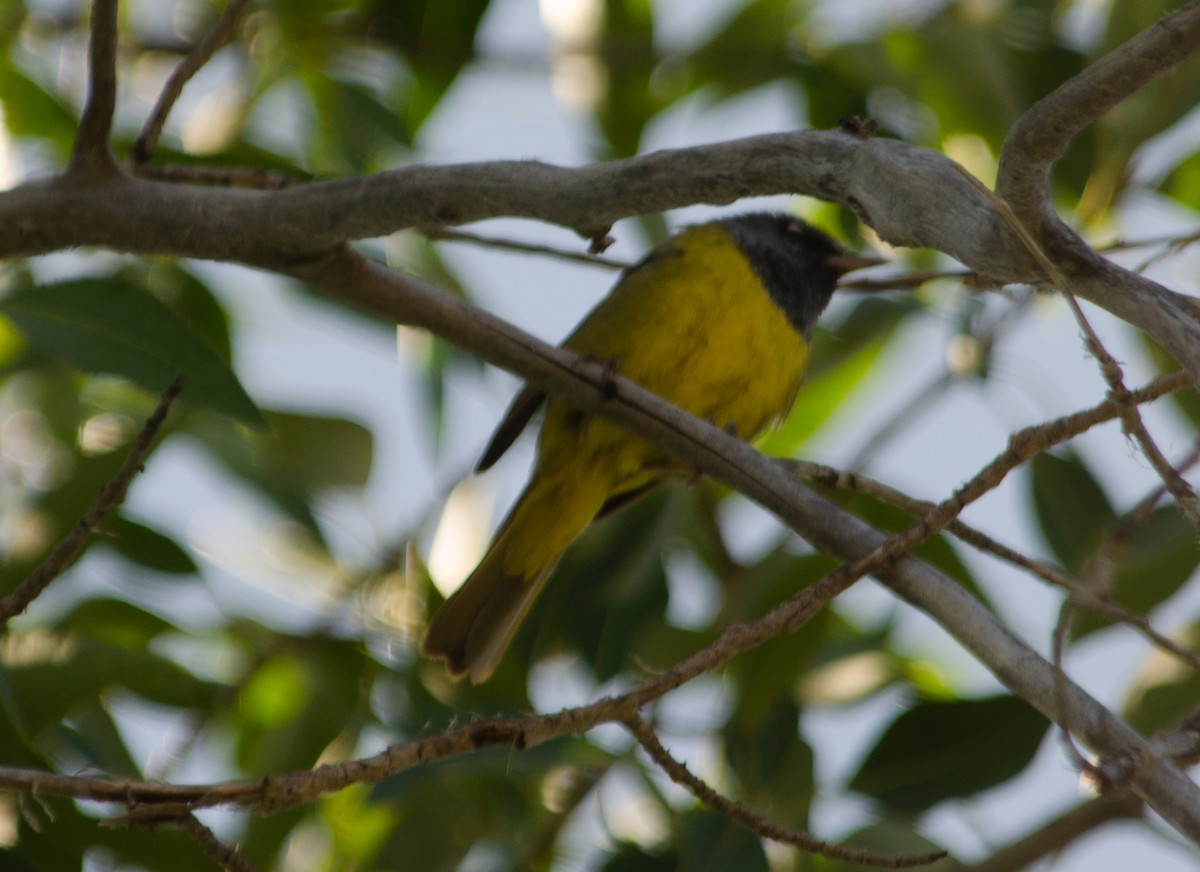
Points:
[(474, 626)]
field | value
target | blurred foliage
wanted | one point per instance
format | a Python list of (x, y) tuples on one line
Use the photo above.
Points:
[(315, 89)]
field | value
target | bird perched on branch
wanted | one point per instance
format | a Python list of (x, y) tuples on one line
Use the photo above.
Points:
[(717, 320)]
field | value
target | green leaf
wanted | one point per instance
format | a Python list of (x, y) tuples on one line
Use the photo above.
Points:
[(309, 452), (1072, 509), (92, 734), (773, 764), (936, 550), (111, 326), (767, 672), (891, 839), (436, 39), (116, 622), (298, 701), (711, 842), (940, 750), (633, 858), (193, 301), (30, 110), (1161, 555), (147, 547), (1165, 689), (72, 670), (748, 50), (530, 763)]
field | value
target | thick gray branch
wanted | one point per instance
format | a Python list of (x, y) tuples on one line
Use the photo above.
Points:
[(911, 196)]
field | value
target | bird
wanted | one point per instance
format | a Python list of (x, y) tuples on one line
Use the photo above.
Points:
[(716, 320)]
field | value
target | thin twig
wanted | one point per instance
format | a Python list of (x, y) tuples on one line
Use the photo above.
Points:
[(110, 496), (903, 280), (1080, 594), (143, 146), (1061, 629), (1056, 834), (758, 822), (449, 235), (226, 855), (1173, 245), (1135, 427), (91, 153), (1109, 368)]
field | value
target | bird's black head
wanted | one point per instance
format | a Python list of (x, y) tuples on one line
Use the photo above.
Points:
[(797, 264)]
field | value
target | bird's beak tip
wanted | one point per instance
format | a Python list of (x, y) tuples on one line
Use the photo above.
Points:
[(844, 263)]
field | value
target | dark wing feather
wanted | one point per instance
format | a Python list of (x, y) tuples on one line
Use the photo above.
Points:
[(519, 413)]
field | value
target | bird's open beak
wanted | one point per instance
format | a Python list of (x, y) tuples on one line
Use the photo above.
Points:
[(844, 263)]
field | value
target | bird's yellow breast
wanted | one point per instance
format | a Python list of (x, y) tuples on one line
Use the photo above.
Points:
[(695, 325)]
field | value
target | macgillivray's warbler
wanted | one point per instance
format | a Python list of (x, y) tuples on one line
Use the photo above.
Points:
[(717, 320)]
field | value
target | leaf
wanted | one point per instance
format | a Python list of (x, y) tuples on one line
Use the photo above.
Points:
[(115, 622), (1165, 689), (891, 839), (1162, 555), (1072, 510), (773, 764), (72, 671), (500, 763), (936, 550), (30, 110), (310, 452), (111, 326), (633, 858), (437, 40), (710, 842), (298, 701), (940, 750), (769, 671), (147, 547)]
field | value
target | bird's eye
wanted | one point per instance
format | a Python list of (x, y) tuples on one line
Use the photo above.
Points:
[(794, 228)]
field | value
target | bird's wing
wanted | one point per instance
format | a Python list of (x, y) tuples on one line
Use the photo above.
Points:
[(519, 413), (604, 338)]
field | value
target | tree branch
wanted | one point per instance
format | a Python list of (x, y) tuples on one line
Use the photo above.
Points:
[(1042, 134), (91, 155), (111, 495), (1058, 833), (143, 146), (911, 196), (759, 823)]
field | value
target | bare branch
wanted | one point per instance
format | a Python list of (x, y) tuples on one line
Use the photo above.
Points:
[(1081, 595), (227, 856), (1058, 833), (143, 146), (758, 822), (91, 154), (909, 195), (445, 233), (110, 496), (1184, 495), (1043, 133)]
